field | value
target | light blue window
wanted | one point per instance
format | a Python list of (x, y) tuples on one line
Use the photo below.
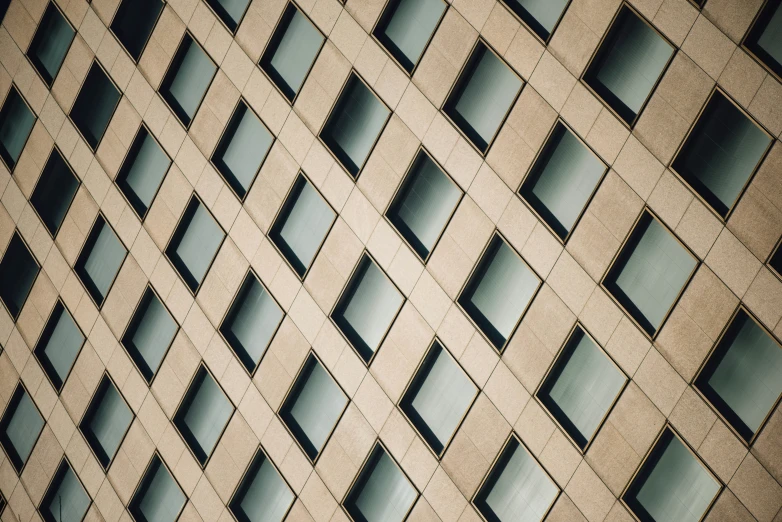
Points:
[(59, 345), (263, 495), (406, 27), (20, 427), (187, 80), (66, 500), (230, 12), (158, 497), (51, 43), (540, 15), (100, 260), (143, 171), (16, 124), (149, 335), (106, 422)]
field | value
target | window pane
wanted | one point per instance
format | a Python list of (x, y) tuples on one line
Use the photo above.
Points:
[(367, 308), (382, 492), (94, 106), (242, 149), (776, 261), (354, 125), (187, 79), (230, 11), (302, 225), (581, 387), (517, 489), (50, 44), (106, 421), (150, 332), (20, 427), (650, 272), (721, 153), (100, 260), (406, 26), (628, 64), (158, 497), (18, 271), (563, 178), (59, 345), (483, 96), (438, 398), (540, 15), (313, 407), (16, 124), (765, 38), (499, 292), (143, 171), (422, 207), (263, 496), (66, 500), (134, 22), (54, 192)]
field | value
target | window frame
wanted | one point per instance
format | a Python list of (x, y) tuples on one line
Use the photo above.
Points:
[(146, 42), (3, 438), (259, 450), (15, 317), (32, 62), (56, 148), (106, 223), (63, 460), (133, 502), (753, 26), (13, 87), (544, 41), (38, 348), (95, 61)]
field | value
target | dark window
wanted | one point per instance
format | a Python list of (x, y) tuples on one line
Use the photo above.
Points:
[(2, 503), (242, 149), (263, 495), (65, 500), (423, 205), (776, 261), (195, 244), (51, 43), (229, 11), (143, 171), (291, 51), (20, 427), (158, 497), (765, 38), (628, 64), (562, 180), (106, 421), (302, 225), (18, 271), (16, 124), (4, 4), (59, 345), (251, 322), (94, 106), (721, 153), (354, 125), (367, 308), (134, 22), (100, 260), (313, 407), (54, 192), (187, 80), (149, 335), (406, 27)]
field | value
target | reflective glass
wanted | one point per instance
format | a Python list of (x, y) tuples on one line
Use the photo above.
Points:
[(765, 38), (16, 124), (143, 171), (20, 427), (18, 271), (263, 495), (134, 22), (150, 332), (59, 345), (66, 500), (540, 15), (94, 106), (54, 192), (406, 26), (187, 80), (100, 260), (106, 421), (158, 497), (382, 492), (230, 11), (50, 44)]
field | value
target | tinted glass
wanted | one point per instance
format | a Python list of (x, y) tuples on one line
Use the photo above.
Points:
[(406, 26), (367, 308), (158, 497), (540, 15), (18, 271), (229, 11), (482, 97), (187, 79), (765, 38), (242, 149), (106, 421), (354, 125), (263, 496), (498, 292), (66, 500), (16, 124), (649, 273), (50, 44), (59, 345), (100, 260), (424, 204), (149, 334), (563, 178), (20, 427), (382, 493), (776, 261), (94, 106), (142, 172), (721, 153), (134, 22), (54, 192), (302, 225)]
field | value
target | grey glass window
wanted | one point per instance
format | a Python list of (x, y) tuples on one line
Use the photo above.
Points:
[(203, 415), (541, 16), (100, 260), (562, 180), (581, 387), (291, 52), (263, 495), (95, 105), (18, 271), (628, 64), (20, 427), (367, 308), (313, 407), (302, 225), (59, 345), (743, 376), (423, 205), (143, 171), (134, 22), (649, 273), (51, 43), (354, 124), (251, 322), (54, 191), (438, 398), (482, 97), (406, 27), (382, 492), (16, 124), (242, 149), (499, 291), (149, 334), (158, 497), (187, 80), (764, 40), (106, 421), (65, 500), (517, 488), (721, 153), (672, 484), (230, 12)]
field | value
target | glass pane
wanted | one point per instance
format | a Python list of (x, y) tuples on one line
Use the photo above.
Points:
[(20, 427), (66, 500), (54, 192), (59, 345), (187, 80), (16, 124), (134, 22), (100, 260), (230, 11), (540, 15), (776, 261), (422, 207), (150, 332), (263, 496), (50, 44), (367, 308), (94, 106), (483, 96), (158, 498), (302, 225), (382, 493), (106, 421), (765, 38), (18, 271), (143, 171), (406, 26)]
